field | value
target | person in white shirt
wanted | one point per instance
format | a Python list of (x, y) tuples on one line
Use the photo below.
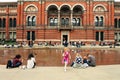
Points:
[(31, 62)]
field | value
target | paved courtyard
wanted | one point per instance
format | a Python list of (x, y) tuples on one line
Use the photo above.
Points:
[(102, 72)]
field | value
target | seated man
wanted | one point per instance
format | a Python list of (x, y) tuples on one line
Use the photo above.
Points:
[(91, 60), (15, 62)]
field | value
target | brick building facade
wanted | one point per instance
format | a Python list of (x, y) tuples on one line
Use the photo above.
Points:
[(59, 20)]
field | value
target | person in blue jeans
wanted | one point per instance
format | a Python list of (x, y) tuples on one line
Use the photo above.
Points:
[(15, 62)]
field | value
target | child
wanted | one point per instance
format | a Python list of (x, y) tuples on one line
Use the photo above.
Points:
[(66, 57), (85, 62)]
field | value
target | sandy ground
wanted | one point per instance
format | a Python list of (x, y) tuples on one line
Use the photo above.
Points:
[(102, 72)]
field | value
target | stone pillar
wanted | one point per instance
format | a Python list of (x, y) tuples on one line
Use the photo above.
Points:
[(58, 18), (71, 17)]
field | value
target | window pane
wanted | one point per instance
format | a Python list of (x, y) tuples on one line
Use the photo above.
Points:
[(33, 21), (119, 23), (51, 21), (28, 35), (14, 22), (96, 21), (115, 23), (101, 21), (4, 22), (10, 22), (67, 21), (62, 21), (74, 22), (0, 22), (97, 36), (78, 21), (33, 35), (102, 36), (55, 21)]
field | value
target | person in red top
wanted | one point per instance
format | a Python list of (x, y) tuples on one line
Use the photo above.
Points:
[(15, 62)]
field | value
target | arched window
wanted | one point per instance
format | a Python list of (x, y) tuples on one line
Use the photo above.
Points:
[(29, 21), (101, 21), (4, 23), (14, 22), (10, 22), (115, 23), (33, 21), (0, 23), (97, 21)]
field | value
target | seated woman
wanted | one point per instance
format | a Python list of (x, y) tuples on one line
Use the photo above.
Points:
[(31, 61), (78, 61), (15, 62)]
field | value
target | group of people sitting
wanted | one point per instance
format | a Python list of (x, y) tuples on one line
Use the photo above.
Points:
[(84, 62), (17, 62)]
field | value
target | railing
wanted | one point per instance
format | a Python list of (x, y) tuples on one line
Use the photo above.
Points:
[(65, 27)]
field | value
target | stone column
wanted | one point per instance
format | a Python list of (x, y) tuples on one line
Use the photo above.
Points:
[(58, 18), (71, 17)]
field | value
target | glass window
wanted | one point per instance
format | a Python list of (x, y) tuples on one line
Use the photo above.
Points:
[(10, 22), (115, 23), (14, 35), (101, 36), (10, 34), (14, 22), (62, 21), (28, 35), (119, 23), (33, 21), (96, 21), (51, 21), (74, 22), (101, 21), (55, 21), (29, 21), (0, 22), (97, 36), (4, 22), (67, 21), (78, 22)]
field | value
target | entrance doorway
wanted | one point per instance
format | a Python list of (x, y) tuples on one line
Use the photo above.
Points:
[(65, 38)]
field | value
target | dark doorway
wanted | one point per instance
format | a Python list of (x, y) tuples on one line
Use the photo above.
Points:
[(65, 40), (65, 37)]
